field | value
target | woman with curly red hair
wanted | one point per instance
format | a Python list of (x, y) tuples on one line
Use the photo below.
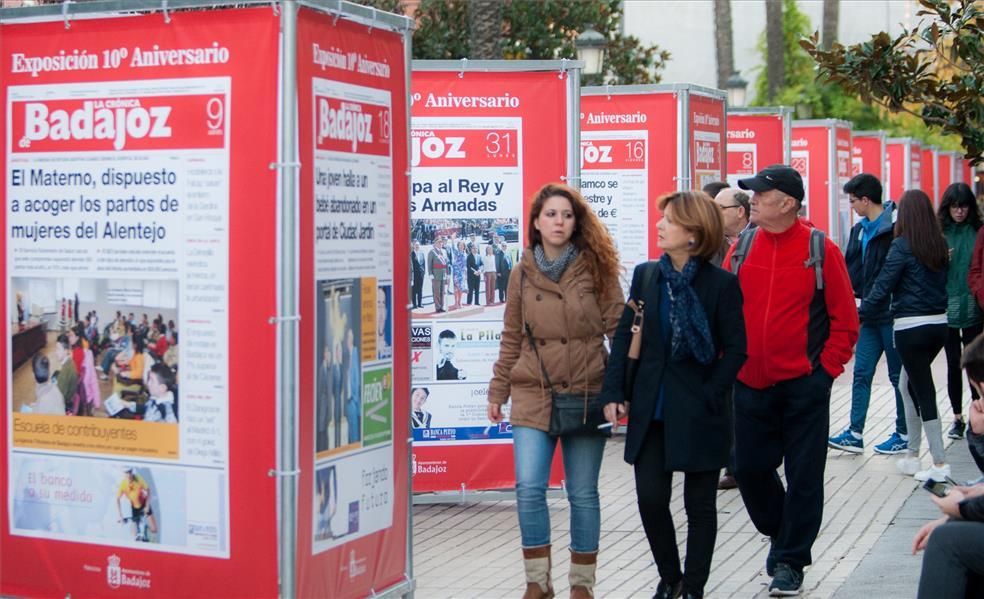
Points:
[(565, 298)]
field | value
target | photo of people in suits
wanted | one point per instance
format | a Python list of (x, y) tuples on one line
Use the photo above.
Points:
[(338, 384), (465, 264)]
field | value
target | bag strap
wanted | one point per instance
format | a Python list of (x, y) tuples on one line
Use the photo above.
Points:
[(742, 248), (529, 331), (818, 248)]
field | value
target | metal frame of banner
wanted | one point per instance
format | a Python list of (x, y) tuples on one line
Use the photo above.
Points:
[(564, 67), (683, 92), (906, 157), (287, 165), (833, 210), (783, 112)]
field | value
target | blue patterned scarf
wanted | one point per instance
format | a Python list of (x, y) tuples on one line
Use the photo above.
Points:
[(691, 333)]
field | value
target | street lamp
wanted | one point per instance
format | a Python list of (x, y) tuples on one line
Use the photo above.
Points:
[(590, 47), (736, 90)]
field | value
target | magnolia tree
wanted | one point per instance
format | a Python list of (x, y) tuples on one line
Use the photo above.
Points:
[(934, 71)]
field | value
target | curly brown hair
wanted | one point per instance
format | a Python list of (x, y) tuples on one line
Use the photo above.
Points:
[(590, 236)]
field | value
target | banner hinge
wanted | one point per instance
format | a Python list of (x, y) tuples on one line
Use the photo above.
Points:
[(276, 165), (277, 319), (273, 472)]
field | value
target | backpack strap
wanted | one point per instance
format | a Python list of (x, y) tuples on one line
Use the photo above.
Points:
[(742, 248), (817, 248)]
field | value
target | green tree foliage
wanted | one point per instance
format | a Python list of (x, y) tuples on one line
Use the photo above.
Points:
[(823, 99), (934, 71), (536, 29)]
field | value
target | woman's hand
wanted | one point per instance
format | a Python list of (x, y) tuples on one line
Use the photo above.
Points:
[(950, 505), (495, 413), (919, 542), (613, 413)]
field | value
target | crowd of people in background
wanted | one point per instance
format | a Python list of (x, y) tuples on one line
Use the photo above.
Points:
[(136, 359)]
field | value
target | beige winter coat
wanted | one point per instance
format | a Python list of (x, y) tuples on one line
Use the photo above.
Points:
[(569, 320)]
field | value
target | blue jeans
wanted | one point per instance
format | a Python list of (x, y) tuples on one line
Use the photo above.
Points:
[(533, 450), (872, 341)]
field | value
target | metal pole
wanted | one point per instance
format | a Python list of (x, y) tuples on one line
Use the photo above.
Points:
[(408, 60), (287, 328), (574, 121)]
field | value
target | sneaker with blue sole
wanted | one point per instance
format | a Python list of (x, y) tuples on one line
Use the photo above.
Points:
[(846, 441), (895, 444)]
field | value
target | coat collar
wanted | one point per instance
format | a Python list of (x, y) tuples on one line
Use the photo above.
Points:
[(536, 277)]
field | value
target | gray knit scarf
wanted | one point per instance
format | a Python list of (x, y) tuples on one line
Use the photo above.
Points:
[(554, 269)]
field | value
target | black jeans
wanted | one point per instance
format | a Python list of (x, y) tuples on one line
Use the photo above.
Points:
[(653, 487), (953, 565), (918, 348), (954, 374), (785, 423), (473, 285), (975, 444)]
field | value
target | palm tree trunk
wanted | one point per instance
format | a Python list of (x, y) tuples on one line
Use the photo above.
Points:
[(776, 63), (831, 17), (725, 42), (485, 29)]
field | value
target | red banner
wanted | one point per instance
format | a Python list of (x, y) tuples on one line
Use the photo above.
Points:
[(174, 501), (482, 144), (821, 152), (643, 126), (353, 492), (754, 142), (929, 166), (707, 145), (868, 156), (944, 171)]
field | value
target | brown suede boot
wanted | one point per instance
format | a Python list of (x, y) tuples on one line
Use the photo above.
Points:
[(582, 574), (537, 563)]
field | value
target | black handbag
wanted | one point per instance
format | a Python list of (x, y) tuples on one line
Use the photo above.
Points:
[(571, 414)]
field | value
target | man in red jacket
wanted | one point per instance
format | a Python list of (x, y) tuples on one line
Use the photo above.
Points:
[(799, 338)]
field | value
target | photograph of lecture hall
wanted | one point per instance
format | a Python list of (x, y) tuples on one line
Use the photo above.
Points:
[(95, 347)]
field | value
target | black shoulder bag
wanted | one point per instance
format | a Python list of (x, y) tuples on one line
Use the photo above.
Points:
[(570, 414)]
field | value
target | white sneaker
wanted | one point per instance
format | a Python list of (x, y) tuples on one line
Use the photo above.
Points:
[(937, 473), (908, 465)]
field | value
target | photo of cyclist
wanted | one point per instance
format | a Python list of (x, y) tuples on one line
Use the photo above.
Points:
[(135, 488)]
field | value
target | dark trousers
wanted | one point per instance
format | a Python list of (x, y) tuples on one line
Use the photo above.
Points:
[(954, 374), (953, 565), (653, 486), (417, 295), (918, 347), (473, 284), (785, 423)]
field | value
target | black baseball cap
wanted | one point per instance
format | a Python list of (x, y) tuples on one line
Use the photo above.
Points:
[(778, 176)]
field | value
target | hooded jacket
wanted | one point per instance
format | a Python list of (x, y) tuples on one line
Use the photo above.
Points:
[(569, 320), (863, 270)]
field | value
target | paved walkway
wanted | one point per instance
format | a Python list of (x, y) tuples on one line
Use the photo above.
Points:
[(472, 550)]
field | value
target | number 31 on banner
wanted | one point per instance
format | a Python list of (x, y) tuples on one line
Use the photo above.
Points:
[(498, 143)]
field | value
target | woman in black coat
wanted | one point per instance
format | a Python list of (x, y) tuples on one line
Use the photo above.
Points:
[(693, 345)]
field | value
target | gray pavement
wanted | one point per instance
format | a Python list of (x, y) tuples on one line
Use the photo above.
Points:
[(890, 569), (870, 515)]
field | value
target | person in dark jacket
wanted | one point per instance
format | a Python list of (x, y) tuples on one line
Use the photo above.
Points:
[(799, 339), (503, 266), (418, 264), (693, 344), (914, 279), (960, 220), (953, 565), (867, 247)]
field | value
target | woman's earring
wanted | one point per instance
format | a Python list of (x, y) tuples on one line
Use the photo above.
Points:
[(690, 243)]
